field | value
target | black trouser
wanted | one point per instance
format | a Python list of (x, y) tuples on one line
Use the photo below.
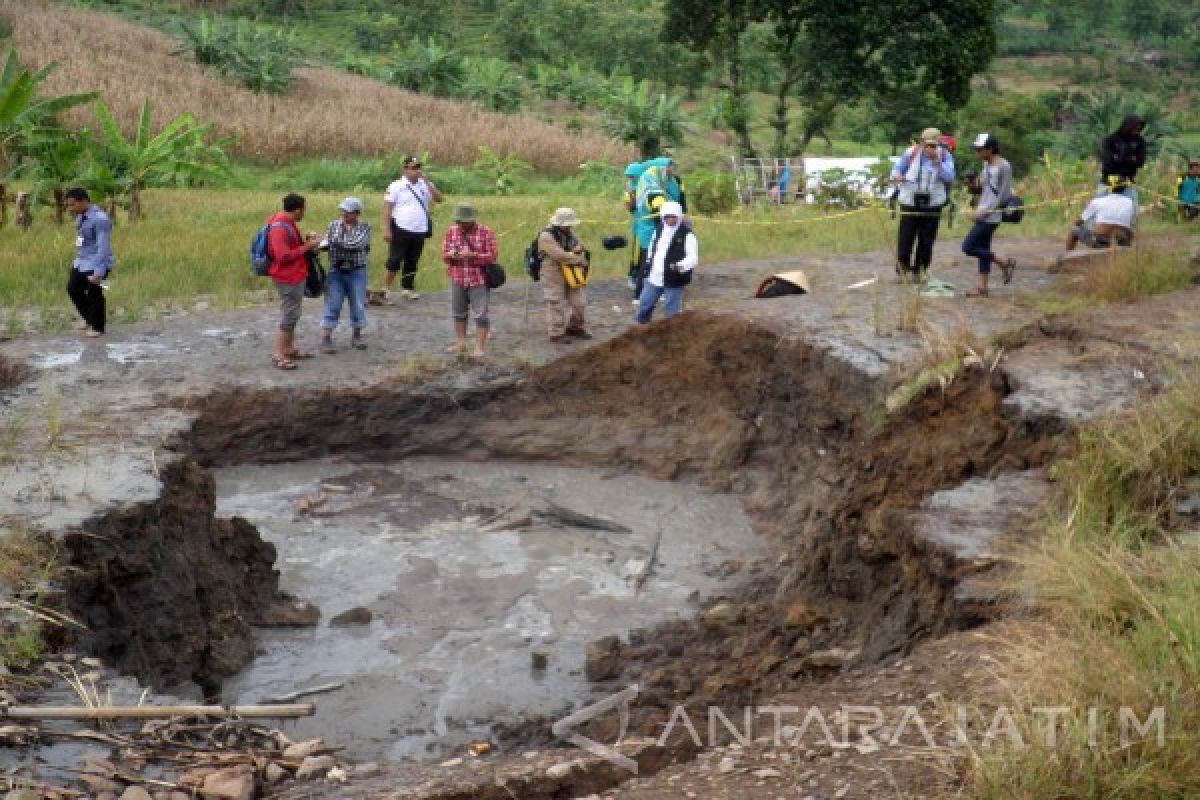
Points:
[(405, 250), (88, 299), (917, 226), (638, 272)]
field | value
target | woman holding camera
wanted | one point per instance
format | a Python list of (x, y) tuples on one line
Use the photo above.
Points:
[(923, 177)]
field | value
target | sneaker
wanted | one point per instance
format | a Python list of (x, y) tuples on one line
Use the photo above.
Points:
[(409, 294)]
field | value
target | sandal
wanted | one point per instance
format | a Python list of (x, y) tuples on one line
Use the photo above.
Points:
[(1007, 268), (282, 363), (976, 292)]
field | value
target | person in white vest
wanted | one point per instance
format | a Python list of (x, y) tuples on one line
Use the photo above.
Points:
[(923, 177)]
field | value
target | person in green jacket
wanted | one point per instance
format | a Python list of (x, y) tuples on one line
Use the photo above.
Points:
[(658, 184)]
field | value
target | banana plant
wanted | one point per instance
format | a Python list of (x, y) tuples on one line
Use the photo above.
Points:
[(52, 163), (24, 114), (179, 153)]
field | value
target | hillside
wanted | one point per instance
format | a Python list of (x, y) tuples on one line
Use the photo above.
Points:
[(325, 112)]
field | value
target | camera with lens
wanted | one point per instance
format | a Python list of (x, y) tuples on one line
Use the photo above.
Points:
[(921, 199)]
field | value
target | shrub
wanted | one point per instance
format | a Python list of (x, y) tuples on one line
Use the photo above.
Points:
[(259, 58), (491, 84), (839, 188), (712, 192), (429, 67)]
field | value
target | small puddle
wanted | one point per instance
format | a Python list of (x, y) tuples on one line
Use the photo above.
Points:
[(55, 360), (459, 607)]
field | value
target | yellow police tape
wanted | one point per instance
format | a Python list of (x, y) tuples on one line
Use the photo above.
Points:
[(871, 206)]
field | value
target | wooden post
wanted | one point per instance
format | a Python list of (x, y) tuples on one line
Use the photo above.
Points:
[(3, 205), (24, 215), (156, 712)]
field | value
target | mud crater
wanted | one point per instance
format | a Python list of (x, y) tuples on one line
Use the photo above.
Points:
[(788, 432)]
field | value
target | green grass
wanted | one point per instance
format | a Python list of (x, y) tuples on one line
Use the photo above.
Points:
[(195, 243), (1118, 577)]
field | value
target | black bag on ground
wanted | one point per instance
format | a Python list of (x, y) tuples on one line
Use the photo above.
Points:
[(493, 276), (314, 281)]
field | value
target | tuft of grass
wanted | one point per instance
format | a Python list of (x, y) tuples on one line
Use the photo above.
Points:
[(1118, 577), (1137, 272), (28, 565)]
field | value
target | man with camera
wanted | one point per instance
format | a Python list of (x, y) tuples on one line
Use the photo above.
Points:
[(922, 176), (564, 275)]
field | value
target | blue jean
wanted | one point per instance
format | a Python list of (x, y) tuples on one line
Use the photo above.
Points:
[(649, 299), (345, 286), (978, 244)]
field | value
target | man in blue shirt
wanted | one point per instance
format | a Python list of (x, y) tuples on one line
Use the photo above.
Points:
[(93, 259)]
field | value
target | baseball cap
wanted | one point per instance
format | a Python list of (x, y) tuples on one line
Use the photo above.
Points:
[(985, 140), (350, 204)]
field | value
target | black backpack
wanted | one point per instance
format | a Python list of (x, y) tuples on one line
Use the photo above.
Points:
[(533, 259)]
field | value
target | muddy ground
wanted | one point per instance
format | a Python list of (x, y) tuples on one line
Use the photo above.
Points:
[(881, 528)]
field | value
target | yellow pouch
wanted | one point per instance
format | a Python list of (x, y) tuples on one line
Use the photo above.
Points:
[(576, 277)]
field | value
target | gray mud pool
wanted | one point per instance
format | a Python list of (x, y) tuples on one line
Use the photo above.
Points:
[(467, 580)]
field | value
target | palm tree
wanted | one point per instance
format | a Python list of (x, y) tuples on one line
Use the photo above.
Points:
[(178, 152)]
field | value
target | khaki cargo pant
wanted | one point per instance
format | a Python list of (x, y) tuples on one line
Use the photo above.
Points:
[(564, 307)]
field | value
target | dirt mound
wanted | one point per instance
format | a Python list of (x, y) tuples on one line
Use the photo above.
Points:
[(167, 591)]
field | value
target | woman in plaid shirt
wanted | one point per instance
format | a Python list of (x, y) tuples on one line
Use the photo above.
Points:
[(349, 243), (467, 248)]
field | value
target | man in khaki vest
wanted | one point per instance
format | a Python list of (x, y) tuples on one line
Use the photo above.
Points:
[(564, 275)]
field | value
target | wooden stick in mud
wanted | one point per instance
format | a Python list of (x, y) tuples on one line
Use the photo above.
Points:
[(649, 565), (156, 712), (574, 518), (290, 696)]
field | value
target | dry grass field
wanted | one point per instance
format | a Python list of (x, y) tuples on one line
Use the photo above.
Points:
[(326, 112)]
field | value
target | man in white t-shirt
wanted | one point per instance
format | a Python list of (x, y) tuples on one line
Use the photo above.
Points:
[(1107, 219), (407, 224)]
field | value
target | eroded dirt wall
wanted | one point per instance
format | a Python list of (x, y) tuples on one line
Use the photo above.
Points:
[(167, 591)]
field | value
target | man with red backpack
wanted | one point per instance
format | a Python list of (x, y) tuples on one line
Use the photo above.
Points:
[(289, 269)]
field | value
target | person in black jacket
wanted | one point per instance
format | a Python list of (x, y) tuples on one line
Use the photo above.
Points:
[(1122, 154), (670, 260)]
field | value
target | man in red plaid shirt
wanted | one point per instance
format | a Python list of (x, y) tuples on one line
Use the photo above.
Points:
[(467, 248)]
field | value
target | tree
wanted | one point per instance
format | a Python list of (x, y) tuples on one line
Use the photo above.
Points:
[(633, 115), (787, 43), (1098, 114), (24, 115), (720, 25), (179, 152), (877, 47)]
